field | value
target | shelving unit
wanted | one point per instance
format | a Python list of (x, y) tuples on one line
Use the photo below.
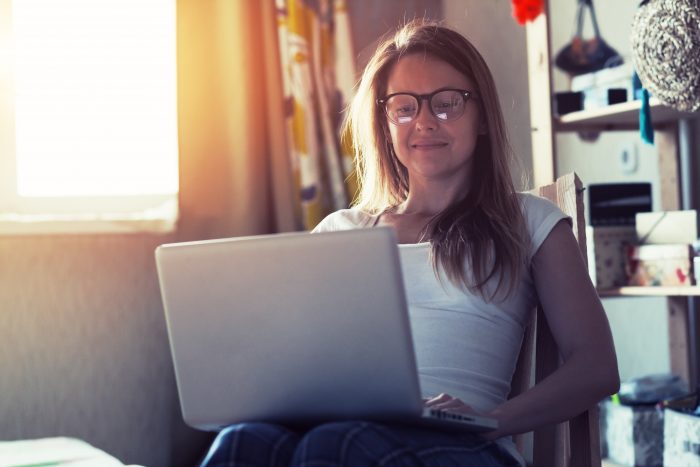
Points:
[(625, 117), (672, 139), (618, 117), (659, 291)]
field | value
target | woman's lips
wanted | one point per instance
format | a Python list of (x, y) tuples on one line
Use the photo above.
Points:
[(427, 145)]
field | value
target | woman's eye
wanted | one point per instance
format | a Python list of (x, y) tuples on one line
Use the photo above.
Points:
[(405, 110), (449, 104)]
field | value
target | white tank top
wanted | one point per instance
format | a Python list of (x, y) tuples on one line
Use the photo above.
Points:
[(464, 346)]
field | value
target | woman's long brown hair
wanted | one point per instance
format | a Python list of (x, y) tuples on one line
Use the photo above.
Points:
[(485, 228)]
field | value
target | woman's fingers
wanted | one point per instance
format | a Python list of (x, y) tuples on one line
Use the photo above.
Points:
[(447, 402), (450, 404), (441, 399)]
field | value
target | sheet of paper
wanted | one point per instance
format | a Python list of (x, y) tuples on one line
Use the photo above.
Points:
[(46, 452)]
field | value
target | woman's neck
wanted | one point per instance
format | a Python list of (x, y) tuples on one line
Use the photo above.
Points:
[(428, 201)]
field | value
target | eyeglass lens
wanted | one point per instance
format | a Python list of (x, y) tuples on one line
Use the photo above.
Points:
[(445, 105)]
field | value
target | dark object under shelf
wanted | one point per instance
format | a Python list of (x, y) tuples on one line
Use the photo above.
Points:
[(617, 96), (617, 203), (568, 101)]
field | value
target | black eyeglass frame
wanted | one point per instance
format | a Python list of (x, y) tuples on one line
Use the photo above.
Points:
[(466, 95)]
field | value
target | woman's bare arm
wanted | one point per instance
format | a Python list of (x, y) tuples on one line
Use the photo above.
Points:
[(582, 333)]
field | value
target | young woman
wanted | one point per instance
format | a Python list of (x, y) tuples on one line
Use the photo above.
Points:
[(433, 160)]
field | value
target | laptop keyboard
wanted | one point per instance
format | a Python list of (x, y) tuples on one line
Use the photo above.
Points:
[(445, 415)]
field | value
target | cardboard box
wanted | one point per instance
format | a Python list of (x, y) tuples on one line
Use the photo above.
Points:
[(670, 265), (681, 439), (666, 227), (606, 254), (632, 435)]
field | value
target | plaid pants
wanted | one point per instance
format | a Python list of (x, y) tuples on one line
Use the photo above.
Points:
[(351, 443)]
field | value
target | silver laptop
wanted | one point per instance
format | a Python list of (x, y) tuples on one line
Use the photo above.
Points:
[(293, 329)]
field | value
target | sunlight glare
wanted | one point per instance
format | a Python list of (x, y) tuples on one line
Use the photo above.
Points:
[(95, 84)]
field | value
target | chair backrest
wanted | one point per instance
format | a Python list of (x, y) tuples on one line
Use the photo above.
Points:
[(574, 443)]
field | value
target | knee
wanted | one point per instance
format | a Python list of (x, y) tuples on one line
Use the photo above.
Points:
[(337, 428), (335, 443), (232, 430), (251, 431), (250, 441), (335, 431)]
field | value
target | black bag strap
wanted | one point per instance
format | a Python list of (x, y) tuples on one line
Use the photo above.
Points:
[(583, 5)]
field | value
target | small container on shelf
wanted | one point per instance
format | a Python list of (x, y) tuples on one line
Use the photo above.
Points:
[(632, 434), (567, 101), (681, 438), (606, 254), (660, 265)]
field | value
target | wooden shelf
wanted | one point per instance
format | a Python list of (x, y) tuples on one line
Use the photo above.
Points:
[(624, 116), (609, 463), (659, 291)]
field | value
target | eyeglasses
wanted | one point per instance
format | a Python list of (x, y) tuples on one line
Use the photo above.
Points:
[(445, 104)]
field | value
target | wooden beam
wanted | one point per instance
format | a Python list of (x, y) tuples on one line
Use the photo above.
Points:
[(540, 84), (667, 146), (678, 338)]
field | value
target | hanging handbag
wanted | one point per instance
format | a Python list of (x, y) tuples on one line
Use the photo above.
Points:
[(586, 55), (666, 51)]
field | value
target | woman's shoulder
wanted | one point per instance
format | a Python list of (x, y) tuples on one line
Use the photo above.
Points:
[(534, 206), (541, 215), (344, 219)]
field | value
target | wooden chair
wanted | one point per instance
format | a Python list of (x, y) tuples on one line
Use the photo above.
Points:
[(574, 443)]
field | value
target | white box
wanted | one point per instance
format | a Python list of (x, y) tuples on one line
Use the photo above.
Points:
[(605, 78), (681, 439), (632, 435), (595, 85)]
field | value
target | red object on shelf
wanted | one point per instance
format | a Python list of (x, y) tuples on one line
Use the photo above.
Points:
[(527, 10)]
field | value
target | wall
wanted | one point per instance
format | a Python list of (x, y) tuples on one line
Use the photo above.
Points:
[(84, 350), (370, 20), (501, 41)]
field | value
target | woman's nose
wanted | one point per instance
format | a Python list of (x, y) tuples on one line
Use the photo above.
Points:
[(425, 120)]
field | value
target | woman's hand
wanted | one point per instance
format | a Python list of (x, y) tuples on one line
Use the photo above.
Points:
[(449, 403), (454, 404)]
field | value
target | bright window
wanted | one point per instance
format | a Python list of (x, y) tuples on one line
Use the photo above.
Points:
[(88, 115)]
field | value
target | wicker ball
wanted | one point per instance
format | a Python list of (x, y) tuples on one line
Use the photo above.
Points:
[(666, 51)]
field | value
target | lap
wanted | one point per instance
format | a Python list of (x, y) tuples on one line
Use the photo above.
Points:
[(252, 444), (351, 443), (366, 443)]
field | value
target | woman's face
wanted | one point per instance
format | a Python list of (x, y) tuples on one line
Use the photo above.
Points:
[(432, 149)]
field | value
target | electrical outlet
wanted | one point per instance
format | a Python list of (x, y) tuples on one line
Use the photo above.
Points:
[(628, 157)]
